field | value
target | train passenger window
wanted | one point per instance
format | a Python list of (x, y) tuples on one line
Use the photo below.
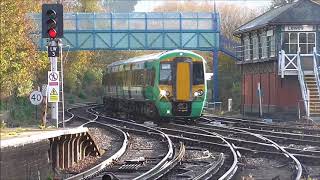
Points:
[(165, 74), (198, 74), (141, 77)]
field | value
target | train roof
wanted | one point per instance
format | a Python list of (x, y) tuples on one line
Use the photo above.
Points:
[(150, 57), (146, 57)]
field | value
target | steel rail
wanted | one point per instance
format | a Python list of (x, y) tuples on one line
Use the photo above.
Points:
[(213, 137), (286, 138), (231, 171), (225, 130), (261, 125), (213, 169), (96, 169), (298, 164), (174, 162), (157, 168)]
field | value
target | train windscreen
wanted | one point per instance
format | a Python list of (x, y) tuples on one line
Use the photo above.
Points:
[(165, 74), (198, 74)]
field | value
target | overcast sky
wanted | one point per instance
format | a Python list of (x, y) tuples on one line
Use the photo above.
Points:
[(149, 5)]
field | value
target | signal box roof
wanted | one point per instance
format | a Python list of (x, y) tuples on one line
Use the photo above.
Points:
[(304, 12)]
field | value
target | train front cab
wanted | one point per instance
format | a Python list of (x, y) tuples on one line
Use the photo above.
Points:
[(182, 88)]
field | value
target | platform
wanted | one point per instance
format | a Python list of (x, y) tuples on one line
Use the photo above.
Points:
[(37, 135)]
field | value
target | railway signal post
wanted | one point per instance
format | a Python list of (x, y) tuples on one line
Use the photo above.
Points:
[(52, 28)]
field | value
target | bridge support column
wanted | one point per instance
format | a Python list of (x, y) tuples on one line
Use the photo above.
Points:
[(61, 153), (76, 146), (73, 152), (53, 153), (215, 95), (66, 148)]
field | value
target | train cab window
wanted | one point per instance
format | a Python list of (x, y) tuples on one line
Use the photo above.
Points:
[(165, 74), (198, 74)]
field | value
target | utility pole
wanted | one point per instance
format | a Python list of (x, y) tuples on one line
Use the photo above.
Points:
[(54, 68)]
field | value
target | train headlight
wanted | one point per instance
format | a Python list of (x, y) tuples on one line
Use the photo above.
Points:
[(164, 93), (198, 93)]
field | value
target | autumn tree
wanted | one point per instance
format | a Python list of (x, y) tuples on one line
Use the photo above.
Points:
[(277, 3), (122, 6), (232, 16), (20, 60)]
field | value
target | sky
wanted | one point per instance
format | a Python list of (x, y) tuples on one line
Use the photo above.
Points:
[(148, 5)]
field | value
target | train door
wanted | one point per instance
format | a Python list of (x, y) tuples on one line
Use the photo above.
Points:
[(183, 81)]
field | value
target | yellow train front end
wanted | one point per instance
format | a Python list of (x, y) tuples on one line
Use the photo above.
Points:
[(182, 87)]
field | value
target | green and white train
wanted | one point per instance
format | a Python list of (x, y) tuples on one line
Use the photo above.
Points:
[(163, 85)]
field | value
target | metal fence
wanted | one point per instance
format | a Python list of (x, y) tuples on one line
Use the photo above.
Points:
[(137, 31)]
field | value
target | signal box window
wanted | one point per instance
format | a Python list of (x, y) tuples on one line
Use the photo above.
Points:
[(293, 40), (165, 74), (198, 74)]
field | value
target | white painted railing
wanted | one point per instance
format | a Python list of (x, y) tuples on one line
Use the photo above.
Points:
[(285, 66), (304, 90), (315, 69)]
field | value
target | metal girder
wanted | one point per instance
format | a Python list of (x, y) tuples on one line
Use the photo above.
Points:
[(136, 31)]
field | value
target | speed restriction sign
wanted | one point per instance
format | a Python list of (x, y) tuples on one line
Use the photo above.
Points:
[(36, 97)]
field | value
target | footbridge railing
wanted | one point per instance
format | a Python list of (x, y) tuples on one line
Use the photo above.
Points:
[(140, 31), (137, 31)]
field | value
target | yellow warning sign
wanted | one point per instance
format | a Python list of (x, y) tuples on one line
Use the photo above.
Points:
[(53, 96), (53, 92)]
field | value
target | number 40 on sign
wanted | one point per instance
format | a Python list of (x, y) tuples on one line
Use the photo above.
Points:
[(36, 97)]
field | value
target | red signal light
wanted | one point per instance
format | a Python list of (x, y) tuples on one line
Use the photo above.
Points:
[(52, 33)]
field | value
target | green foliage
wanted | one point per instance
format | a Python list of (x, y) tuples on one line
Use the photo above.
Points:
[(21, 64), (90, 6), (229, 81), (21, 112), (82, 95), (69, 99), (236, 95), (19, 60), (2, 125)]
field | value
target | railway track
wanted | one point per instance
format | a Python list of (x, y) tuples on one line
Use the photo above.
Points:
[(89, 168), (294, 143), (149, 153), (243, 148), (209, 165), (210, 148), (259, 125), (304, 147)]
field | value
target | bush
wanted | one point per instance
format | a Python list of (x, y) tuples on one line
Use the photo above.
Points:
[(71, 99), (82, 95), (22, 112)]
